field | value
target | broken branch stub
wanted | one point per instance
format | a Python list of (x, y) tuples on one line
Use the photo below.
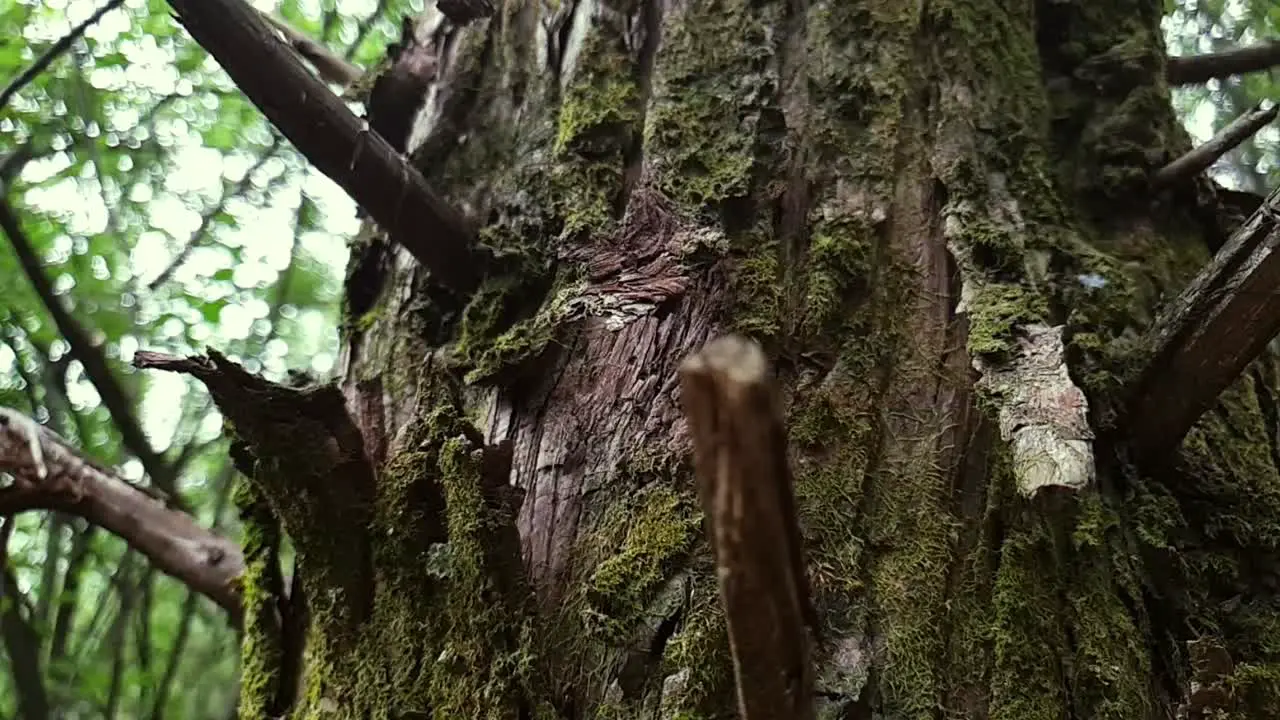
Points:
[(1205, 338), (744, 483)]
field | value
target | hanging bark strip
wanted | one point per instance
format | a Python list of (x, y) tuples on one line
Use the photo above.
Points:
[(377, 177), (744, 484), (1207, 336)]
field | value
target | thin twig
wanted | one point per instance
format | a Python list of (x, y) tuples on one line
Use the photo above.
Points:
[(744, 483), (91, 357), (328, 64), (53, 52), (1226, 139), (1194, 69)]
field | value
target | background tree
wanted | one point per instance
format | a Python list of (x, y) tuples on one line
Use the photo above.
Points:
[(919, 212)]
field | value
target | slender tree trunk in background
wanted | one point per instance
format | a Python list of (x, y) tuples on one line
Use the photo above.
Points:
[(885, 195)]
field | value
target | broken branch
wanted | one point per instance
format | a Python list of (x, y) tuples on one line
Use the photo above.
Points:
[(324, 130), (51, 475), (1194, 69), (744, 482), (1236, 132), (1204, 339)]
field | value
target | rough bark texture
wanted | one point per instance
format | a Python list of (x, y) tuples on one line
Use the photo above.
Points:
[(886, 195)]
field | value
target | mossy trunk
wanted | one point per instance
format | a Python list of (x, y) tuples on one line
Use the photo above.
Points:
[(886, 195)]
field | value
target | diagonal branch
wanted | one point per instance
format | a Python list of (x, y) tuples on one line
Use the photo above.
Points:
[(1194, 69), (90, 355), (740, 455), (1205, 338), (1226, 139), (393, 192), (51, 475), (53, 52)]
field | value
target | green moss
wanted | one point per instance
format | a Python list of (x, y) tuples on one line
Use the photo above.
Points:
[(600, 117), (652, 534), (260, 644), (699, 134), (489, 341), (997, 312), (1027, 678), (700, 652)]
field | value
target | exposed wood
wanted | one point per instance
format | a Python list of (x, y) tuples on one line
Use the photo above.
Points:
[(50, 474), (1195, 69), (1200, 158), (323, 129), (1206, 337), (744, 483)]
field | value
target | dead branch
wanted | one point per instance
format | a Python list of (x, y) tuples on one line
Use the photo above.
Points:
[(328, 64), (306, 455), (1194, 69), (91, 357), (1200, 158), (1204, 339), (55, 50), (744, 482), (51, 475), (392, 191)]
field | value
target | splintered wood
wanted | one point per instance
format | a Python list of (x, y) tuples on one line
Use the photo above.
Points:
[(744, 484)]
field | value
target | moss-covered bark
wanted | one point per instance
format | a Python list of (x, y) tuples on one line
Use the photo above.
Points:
[(886, 195)]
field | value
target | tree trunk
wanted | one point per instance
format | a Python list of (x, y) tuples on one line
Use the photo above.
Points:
[(896, 200)]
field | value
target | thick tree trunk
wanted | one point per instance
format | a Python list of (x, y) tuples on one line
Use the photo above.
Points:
[(887, 196)]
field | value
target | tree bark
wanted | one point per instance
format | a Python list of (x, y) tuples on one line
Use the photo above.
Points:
[(921, 211)]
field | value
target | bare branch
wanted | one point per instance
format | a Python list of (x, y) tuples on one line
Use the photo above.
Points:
[(1194, 69), (90, 355), (50, 474), (53, 52), (1204, 339), (330, 66), (745, 487), (393, 192), (1236, 132), (306, 455)]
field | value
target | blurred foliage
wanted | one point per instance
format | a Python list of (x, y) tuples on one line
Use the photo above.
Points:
[(1194, 27), (170, 216)]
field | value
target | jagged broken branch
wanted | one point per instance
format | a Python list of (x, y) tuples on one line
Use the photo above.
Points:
[(51, 475), (306, 455), (1195, 69), (744, 483), (1236, 132), (323, 129), (1205, 338)]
